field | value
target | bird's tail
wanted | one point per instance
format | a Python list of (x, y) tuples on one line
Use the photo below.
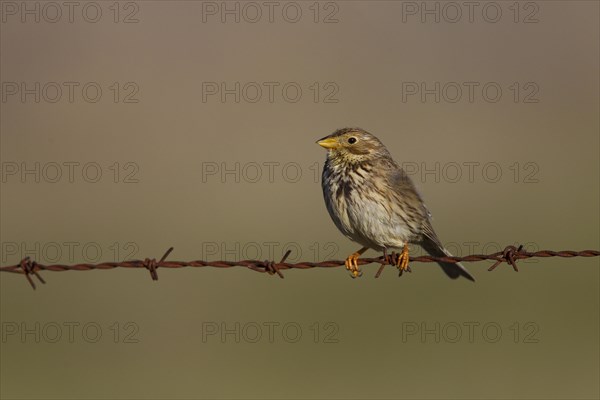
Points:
[(453, 270)]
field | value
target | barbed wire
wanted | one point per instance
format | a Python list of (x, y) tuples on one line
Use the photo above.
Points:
[(509, 255)]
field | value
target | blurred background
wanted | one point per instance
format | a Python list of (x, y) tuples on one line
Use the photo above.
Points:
[(130, 127)]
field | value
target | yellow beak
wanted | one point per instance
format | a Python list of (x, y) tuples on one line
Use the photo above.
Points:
[(328, 143)]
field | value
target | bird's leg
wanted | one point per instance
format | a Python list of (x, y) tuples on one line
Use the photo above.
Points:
[(402, 262), (352, 263)]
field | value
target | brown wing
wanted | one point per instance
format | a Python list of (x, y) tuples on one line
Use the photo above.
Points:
[(413, 204)]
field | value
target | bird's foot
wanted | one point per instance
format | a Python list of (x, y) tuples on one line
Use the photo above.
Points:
[(352, 265), (402, 260)]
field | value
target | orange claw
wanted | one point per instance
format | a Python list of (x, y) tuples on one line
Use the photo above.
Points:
[(403, 259), (352, 263)]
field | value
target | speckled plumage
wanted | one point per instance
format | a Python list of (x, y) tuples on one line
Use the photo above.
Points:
[(371, 199)]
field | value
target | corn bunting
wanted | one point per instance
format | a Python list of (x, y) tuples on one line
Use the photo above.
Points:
[(374, 202)]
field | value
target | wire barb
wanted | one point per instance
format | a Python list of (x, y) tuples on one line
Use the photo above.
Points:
[(151, 264), (272, 268), (28, 268), (509, 255)]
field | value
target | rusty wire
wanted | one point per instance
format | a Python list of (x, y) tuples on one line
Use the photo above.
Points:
[(509, 255)]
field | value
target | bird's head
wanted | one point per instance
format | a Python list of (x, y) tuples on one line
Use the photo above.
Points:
[(352, 145)]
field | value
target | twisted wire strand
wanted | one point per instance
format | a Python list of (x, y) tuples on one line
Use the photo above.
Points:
[(509, 255)]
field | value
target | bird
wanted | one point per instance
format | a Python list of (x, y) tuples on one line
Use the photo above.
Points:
[(374, 203)]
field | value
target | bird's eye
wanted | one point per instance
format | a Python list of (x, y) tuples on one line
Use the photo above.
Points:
[(352, 140)]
